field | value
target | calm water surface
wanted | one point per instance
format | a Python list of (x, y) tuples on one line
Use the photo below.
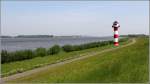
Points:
[(13, 44)]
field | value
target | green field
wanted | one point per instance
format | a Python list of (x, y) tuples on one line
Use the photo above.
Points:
[(129, 64)]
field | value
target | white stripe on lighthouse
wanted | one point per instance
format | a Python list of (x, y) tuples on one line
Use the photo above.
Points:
[(116, 40), (115, 32)]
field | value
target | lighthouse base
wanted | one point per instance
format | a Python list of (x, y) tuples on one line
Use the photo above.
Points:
[(116, 44)]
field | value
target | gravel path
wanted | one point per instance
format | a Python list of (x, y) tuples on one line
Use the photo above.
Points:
[(38, 70)]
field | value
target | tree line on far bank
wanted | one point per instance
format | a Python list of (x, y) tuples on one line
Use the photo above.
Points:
[(7, 57)]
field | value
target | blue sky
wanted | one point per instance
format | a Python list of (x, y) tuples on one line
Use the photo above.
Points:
[(89, 18)]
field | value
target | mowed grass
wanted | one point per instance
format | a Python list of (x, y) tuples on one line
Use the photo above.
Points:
[(125, 65), (21, 66)]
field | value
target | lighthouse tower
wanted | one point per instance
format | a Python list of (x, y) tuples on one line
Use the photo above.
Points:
[(116, 35)]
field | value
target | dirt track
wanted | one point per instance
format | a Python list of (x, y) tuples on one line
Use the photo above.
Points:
[(12, 77)]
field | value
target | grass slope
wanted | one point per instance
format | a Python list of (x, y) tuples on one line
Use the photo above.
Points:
[(129, 64), (21, 66)]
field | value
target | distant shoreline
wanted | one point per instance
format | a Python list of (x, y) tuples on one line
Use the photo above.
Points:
[(53, 36), (44, 36)]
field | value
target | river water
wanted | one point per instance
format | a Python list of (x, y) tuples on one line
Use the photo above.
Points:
[(13, 44)]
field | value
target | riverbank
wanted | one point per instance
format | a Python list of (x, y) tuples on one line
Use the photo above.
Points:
[(123, 65), (24, 65)]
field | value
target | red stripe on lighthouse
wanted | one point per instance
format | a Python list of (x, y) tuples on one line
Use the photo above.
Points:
[(116, 35), (116, 43)]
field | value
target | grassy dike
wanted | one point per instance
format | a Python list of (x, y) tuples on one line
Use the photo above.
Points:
[(129, 64), (24, 65)]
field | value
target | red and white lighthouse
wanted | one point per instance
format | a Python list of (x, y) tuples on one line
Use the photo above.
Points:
[(116, 35)]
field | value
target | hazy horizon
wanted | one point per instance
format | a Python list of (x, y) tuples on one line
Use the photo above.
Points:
[(73, 35), (66, 18)]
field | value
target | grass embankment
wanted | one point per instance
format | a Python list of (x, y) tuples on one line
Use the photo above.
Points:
[(129, 64), (21, 66), (26, 54)]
